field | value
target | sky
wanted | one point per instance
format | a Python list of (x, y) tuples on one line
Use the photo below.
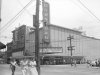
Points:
[(66, 13)]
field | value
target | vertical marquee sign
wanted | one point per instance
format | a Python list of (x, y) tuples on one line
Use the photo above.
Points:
[(46, 12), (46, 21)]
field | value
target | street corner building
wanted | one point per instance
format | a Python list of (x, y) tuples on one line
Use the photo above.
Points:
[(57, 45)]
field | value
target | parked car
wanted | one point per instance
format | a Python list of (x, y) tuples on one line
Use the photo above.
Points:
[(94, 63), (98, 62)]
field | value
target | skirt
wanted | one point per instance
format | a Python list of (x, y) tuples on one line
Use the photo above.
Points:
[(33, 71)]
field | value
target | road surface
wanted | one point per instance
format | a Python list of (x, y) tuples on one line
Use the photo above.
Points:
[(56, 70)]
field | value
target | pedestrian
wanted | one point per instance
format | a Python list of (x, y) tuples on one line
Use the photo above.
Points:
[(71, 61), (24, 66), (18, 62), (13, 66), (74, 61), (32, 67), (96, 62)]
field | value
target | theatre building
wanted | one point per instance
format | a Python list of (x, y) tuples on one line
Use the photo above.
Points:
[(55, 45)]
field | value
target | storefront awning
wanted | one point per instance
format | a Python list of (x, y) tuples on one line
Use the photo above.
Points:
[(2, 46)]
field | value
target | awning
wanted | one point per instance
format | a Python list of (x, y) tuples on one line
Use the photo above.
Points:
[(2, 46)]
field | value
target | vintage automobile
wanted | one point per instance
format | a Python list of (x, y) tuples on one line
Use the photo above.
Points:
[(94, 63)]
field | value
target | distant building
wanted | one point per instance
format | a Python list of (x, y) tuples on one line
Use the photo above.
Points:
[(84, 45), (54, 44), (20, 38)]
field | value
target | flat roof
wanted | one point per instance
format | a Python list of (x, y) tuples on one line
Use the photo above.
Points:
[(90, 37), (60, 27), (64, 28), (70, 30)]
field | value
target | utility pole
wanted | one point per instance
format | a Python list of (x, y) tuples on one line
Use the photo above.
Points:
[(70, 48), (36, 25)]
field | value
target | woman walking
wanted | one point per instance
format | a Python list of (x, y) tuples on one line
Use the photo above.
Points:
[(32, 67), (24, 66), (13, 66)]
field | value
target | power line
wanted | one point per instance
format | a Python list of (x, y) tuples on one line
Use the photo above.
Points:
[(23, 6), (8, 25), (88, 10), (78, 6), (15, 17)]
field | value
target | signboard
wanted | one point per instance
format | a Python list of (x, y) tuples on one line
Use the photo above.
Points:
[(51, 50), (46, 12), (19, 37), (15, 35), (15, 38), (46, 34), (46, 21), (16, 54)]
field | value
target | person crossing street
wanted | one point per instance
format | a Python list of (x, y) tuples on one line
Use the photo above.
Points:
[(24, 66), (13, 66), (32, 67)]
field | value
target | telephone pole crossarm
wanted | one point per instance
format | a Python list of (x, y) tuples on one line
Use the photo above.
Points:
[(70, 48)]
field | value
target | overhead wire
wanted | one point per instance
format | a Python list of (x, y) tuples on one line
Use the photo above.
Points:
[(91, 13), (88, 10), (23, 6), (77, 5), (15, 17)]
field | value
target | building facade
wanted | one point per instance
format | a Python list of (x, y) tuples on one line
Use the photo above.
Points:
[(54, 44), (57, 46), (20, 39), (9, 49)]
